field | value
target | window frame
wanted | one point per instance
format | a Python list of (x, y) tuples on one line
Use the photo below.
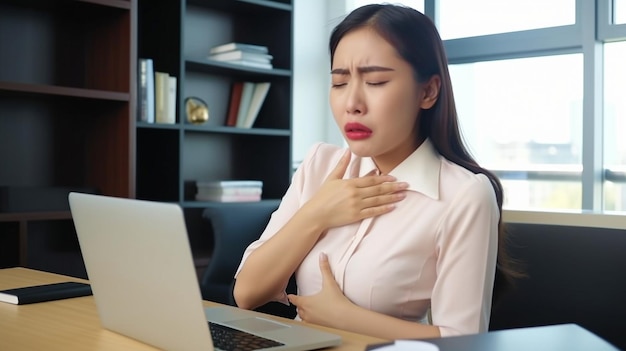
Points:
[(587, 36)]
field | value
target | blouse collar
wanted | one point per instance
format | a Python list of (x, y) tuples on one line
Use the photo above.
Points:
[(420, 169)]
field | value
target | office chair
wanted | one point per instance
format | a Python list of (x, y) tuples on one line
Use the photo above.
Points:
[(574, 275), (236, 225)]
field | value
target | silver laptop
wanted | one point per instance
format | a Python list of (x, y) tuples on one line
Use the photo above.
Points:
[(143, 279)]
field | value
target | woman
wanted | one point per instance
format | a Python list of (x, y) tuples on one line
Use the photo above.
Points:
[(401, 223)]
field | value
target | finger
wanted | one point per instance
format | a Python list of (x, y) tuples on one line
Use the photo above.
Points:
[(341, 167), (327, 274), (374, 180), (293, 299), (383, 189)]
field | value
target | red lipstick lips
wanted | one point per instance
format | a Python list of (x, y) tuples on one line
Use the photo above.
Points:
[(357, 131)]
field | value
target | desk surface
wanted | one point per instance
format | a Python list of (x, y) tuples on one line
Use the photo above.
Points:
[(73, 324)]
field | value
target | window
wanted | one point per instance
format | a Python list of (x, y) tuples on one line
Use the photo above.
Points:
[(525, 75), (619, 11), (523, 118), (614, 124), (462, 18)]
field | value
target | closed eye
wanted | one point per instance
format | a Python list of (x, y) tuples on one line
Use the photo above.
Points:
[(338, 85), (376, 83)]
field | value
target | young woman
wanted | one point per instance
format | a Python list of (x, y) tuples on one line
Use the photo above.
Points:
[(401, 223)]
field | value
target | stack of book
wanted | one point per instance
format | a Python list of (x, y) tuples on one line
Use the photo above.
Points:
[(243, 54), (229, 190), (246, 99)]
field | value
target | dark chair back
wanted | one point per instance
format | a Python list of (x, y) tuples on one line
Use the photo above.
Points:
[(235, 226), (574, 275)]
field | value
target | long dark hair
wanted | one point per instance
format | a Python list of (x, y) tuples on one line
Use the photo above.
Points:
[(417, 40)]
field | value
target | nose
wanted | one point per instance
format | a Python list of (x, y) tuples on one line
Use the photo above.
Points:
[(355, 100)]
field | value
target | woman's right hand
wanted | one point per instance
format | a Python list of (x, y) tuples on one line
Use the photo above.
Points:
[(343, 201)]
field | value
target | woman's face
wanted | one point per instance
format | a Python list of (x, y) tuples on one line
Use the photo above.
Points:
[(375, 98)]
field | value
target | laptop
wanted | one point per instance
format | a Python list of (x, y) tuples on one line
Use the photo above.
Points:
[(142, 275)]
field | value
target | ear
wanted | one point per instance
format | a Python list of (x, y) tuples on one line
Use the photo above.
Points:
[(430, 92)]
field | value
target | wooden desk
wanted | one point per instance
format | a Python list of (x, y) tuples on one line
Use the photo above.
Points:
[(73, 324)]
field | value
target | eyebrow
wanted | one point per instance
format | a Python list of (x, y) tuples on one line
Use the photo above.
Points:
[(366, 69)]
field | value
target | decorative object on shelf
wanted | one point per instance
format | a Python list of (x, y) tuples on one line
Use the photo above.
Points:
[(197, 110)]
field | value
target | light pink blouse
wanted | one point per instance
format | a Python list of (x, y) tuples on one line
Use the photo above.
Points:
[(437, 249)]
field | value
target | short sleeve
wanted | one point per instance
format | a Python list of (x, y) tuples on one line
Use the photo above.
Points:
[(466, 260)]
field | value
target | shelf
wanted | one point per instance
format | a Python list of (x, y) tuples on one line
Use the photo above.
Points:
[(41, 89), (203, 204), (122, 4), (234, 130), (235, 70), (220, 130), (67, 120), (147, 125), (243, 5), (183, 152), (34, 216)]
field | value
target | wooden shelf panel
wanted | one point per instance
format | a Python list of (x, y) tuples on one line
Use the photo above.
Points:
[(34, 216), (43, 89), (119, 4)]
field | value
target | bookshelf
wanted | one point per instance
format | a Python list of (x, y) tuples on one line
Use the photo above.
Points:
[(177, 35), (66, 120)]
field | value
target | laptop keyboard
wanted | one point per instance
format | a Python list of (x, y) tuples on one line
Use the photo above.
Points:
[(229, 339)]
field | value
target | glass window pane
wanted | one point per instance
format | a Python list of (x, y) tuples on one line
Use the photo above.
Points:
[(619, 11), (462, 18), (615, 121), (525, 114), (542, 195), (416, 4), (614, 196)]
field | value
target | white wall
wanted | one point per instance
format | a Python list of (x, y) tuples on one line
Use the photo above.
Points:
[(312, 119)]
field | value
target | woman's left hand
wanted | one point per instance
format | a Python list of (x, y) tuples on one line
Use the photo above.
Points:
[(327, 306)]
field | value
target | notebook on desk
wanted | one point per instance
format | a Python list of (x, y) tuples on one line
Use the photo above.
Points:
[(140, 267)]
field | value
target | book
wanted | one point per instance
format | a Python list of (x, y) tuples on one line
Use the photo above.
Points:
[(161, 82), (170, 116), (241, 55), (145, 90), (247, 63), (258, 96), (253, 64), (235, 100), (244, 104), (229, 184), (238, 46), (229, 191), (228, 198), (45, 292)]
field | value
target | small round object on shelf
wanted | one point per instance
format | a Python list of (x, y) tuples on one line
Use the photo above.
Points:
[(197, 110)]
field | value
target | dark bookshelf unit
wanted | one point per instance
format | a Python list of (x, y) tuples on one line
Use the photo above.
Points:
[(177, 35), (67, 121)]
